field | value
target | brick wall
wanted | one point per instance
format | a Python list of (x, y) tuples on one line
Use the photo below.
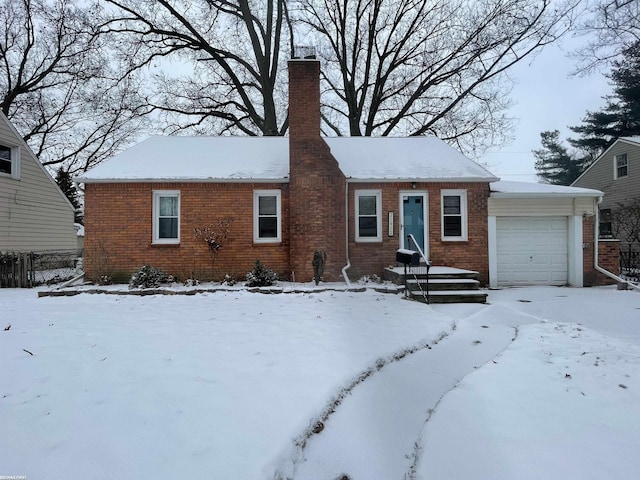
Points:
[(118, 230), (473, 254), (317, 186), (608, 256)]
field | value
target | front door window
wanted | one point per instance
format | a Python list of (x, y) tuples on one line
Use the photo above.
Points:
[(413, 221)]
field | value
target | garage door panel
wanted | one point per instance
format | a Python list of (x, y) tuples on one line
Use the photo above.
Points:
[(532, 250)]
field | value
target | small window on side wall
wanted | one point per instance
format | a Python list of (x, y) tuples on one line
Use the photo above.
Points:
[(166, 217), (605, 229), (368, 216), (621, 166), (267, 216), (454, 215), (9, 157)]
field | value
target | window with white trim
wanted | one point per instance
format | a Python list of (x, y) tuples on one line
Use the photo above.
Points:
[(368, 215), (166, 216), (267, 216), (454, 215), (605, 227), (9, 160), (621, 166)]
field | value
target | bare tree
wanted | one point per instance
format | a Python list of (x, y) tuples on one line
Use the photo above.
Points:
[(626, 222), (405, 67), (59, 87), (415, 67), (226, 76), (612, 27)]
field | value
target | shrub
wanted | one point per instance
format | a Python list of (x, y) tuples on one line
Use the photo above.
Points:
[(261, 276), (319, 258), (148, 277)]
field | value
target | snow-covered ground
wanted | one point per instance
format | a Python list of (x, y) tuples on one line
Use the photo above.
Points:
[(540, 383)]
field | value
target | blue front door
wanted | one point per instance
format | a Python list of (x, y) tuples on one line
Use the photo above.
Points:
[(413, 220)]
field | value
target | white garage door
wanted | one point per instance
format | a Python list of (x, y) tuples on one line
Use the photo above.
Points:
[(532, 250)]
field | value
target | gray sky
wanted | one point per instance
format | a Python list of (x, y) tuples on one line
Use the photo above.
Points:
[(546, 98)]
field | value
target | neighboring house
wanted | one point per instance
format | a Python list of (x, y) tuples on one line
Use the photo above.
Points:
[(34, 213), (616, 173), (354, 198), (79, 235)]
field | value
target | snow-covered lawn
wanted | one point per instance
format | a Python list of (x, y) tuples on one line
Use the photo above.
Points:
[(233, 384)]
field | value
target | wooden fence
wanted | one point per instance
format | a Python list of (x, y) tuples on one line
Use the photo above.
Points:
[(16, 270), (29, 269)]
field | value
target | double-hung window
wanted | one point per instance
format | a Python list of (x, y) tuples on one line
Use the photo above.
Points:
[(621, 166), (368, 216), (166, 216), (605, 227), (454, 215), (9, 160), (267, 216)]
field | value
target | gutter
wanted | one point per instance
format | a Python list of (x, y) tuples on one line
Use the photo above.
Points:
[(86, 180), (346, 235), (597, 267)]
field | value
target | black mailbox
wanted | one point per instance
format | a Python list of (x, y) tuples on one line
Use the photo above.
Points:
[(408, 257)]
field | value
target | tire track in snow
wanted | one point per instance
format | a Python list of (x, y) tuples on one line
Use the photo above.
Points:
[(377, 427), (316, 425), (411, 472)]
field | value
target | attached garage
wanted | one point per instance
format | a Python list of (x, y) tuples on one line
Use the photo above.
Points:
[(536, 233), (532, 250)]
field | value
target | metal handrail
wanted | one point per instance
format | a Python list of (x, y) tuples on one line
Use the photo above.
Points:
[(411, 238)]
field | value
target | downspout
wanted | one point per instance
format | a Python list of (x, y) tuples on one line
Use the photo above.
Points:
[(346, 238), (595, 253)]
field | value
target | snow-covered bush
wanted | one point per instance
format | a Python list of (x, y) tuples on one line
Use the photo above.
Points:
[(149, 277), (229, 280), (261, 276)]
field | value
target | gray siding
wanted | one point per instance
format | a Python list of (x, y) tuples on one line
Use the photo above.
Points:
[(600, 176), (34, 214)]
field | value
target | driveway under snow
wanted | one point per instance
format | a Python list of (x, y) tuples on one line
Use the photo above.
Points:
[(234, 385)]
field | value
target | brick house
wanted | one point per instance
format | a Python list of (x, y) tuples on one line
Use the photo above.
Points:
[(356, 199)]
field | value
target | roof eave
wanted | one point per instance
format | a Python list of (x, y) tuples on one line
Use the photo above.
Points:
[(181, 180), (545, 195), (423, 180)]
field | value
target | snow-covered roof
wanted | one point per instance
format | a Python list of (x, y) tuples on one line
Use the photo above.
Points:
[(197, 158), (233, 159), (631, 139), (507, 189), (392, 158)]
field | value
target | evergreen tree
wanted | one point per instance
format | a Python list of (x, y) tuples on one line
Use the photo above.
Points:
[(621, 115), (554, 163), (63, 179)]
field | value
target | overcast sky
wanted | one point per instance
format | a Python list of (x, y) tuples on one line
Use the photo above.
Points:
[(546, 98)]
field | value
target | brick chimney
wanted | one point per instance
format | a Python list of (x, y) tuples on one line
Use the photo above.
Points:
[(304, 98), (317, 185)]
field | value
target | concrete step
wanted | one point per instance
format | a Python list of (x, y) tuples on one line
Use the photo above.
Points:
[(396, 274), (438, 284), (451, 296)]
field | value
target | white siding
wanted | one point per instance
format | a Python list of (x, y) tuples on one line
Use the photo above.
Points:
[(522, 207), (34, 213)]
